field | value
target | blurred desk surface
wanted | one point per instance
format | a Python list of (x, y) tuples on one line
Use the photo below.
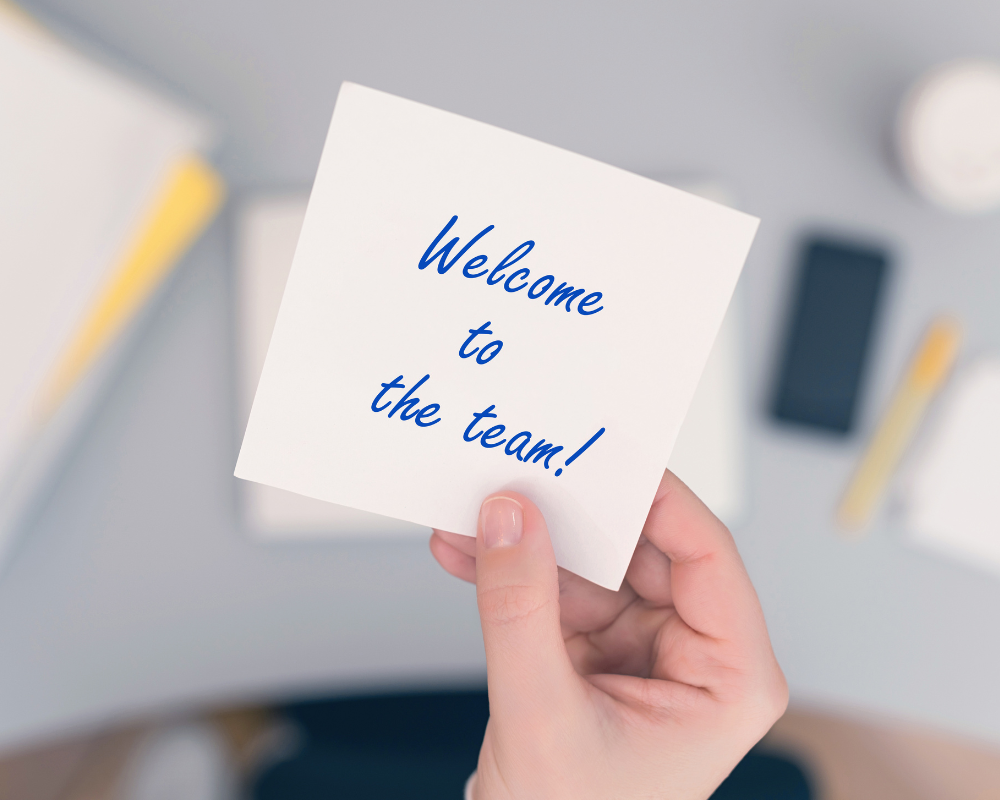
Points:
[(135, 588)]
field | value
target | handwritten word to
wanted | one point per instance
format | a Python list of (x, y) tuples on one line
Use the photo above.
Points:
[(488, 352), (513, 282), (516, 444), (406, 405)]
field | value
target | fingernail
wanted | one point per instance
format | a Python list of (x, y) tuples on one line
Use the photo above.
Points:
[(502, 522)]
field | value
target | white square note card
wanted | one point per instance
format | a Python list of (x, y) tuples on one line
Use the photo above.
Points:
[(469, 310)]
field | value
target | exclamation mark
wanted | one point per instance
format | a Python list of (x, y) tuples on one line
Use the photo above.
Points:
[(582, 450)]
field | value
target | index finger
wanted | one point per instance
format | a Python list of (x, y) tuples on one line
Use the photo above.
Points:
[(709, 585)]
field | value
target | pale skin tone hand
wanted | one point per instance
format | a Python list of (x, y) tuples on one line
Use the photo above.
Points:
[(654, 691)]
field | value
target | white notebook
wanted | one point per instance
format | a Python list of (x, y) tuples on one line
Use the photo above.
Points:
[(84, 154), (952, 494)]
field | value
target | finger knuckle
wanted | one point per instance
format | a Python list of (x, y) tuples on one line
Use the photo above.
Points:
[(778, 696), (769, 701), (509, 604)]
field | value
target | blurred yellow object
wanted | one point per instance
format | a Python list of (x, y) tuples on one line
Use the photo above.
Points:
[(189, 199), (22, 17), (102, 191), (926, 374)]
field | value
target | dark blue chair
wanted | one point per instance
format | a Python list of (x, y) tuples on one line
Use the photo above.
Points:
[(426, 745)]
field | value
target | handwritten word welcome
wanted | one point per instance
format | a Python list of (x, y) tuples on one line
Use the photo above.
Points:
[(512, 282)]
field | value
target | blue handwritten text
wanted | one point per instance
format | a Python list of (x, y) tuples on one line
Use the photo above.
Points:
[(520, 444), (488, 351), (512, 282), (406, 405)]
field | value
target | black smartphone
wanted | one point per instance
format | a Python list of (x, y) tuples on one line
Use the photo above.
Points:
[(829, 334)]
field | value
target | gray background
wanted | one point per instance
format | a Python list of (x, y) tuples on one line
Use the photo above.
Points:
[(135, 588)]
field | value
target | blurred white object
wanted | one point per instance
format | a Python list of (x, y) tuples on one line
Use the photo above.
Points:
[(708, 454), (184, 761), (952, 496), (268, 234), (84, 157), (949, 136)]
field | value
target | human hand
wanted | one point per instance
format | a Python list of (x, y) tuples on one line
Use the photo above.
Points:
[(656, 690)]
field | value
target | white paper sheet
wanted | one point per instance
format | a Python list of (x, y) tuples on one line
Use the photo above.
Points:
[(708, 454), (269, 229), (397, 182), (952, 496)]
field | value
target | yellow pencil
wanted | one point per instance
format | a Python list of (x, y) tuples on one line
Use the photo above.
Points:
[(923, 378)]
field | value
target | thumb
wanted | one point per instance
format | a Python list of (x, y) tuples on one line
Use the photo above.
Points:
[(517, 587)]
